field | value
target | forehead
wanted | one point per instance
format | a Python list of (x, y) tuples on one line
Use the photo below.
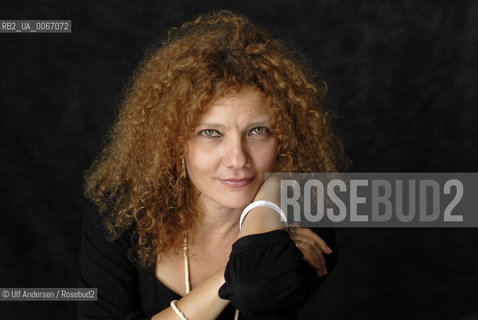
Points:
[(240, 105)]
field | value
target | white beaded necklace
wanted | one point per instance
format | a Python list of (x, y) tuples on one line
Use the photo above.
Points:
[(186, 273)]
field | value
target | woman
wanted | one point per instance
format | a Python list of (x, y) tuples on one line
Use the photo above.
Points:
[(207, 115)]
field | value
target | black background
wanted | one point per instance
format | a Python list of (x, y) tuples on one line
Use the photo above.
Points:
[(403, 80)]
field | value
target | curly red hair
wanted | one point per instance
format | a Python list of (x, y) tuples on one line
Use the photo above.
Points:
[(139, 182)]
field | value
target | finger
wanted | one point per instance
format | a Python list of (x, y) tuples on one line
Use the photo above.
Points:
[(310, 258), (292, 228), (308, 245), (292, 231), (320, 242), (312, 246)]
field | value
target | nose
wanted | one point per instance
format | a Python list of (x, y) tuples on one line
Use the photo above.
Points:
[(236, 154)]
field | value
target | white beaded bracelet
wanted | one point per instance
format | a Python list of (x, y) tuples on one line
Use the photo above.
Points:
[(178, 312), (261, 203)]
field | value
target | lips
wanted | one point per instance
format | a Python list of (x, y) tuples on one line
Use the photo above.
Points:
[(236, 183)]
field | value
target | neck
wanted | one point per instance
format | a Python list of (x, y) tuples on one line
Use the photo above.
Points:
[(216, 223)]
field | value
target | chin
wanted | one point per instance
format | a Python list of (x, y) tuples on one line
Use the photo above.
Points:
[(238, 202)]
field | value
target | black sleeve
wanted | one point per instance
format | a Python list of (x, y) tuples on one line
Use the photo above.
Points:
[(105, 265), (266, 276)]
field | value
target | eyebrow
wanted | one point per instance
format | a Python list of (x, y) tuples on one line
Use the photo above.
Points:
[(260, 123)]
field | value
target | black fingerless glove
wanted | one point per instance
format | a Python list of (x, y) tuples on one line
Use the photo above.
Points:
[(266, 276)]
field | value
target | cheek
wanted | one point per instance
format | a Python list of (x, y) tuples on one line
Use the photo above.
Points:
[(199, 162), (271, 162), (266, 158)]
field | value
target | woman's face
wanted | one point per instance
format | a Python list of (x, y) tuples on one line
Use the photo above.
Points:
[(231, 150)]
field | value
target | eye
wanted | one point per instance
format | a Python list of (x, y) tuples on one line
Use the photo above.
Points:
[(210, 133), (259, 131)]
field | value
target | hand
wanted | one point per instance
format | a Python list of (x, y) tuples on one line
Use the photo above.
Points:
[(263, 219), (269, 190), (312, 247)]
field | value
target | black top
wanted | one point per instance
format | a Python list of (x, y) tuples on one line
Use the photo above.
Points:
[(125, 292)]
